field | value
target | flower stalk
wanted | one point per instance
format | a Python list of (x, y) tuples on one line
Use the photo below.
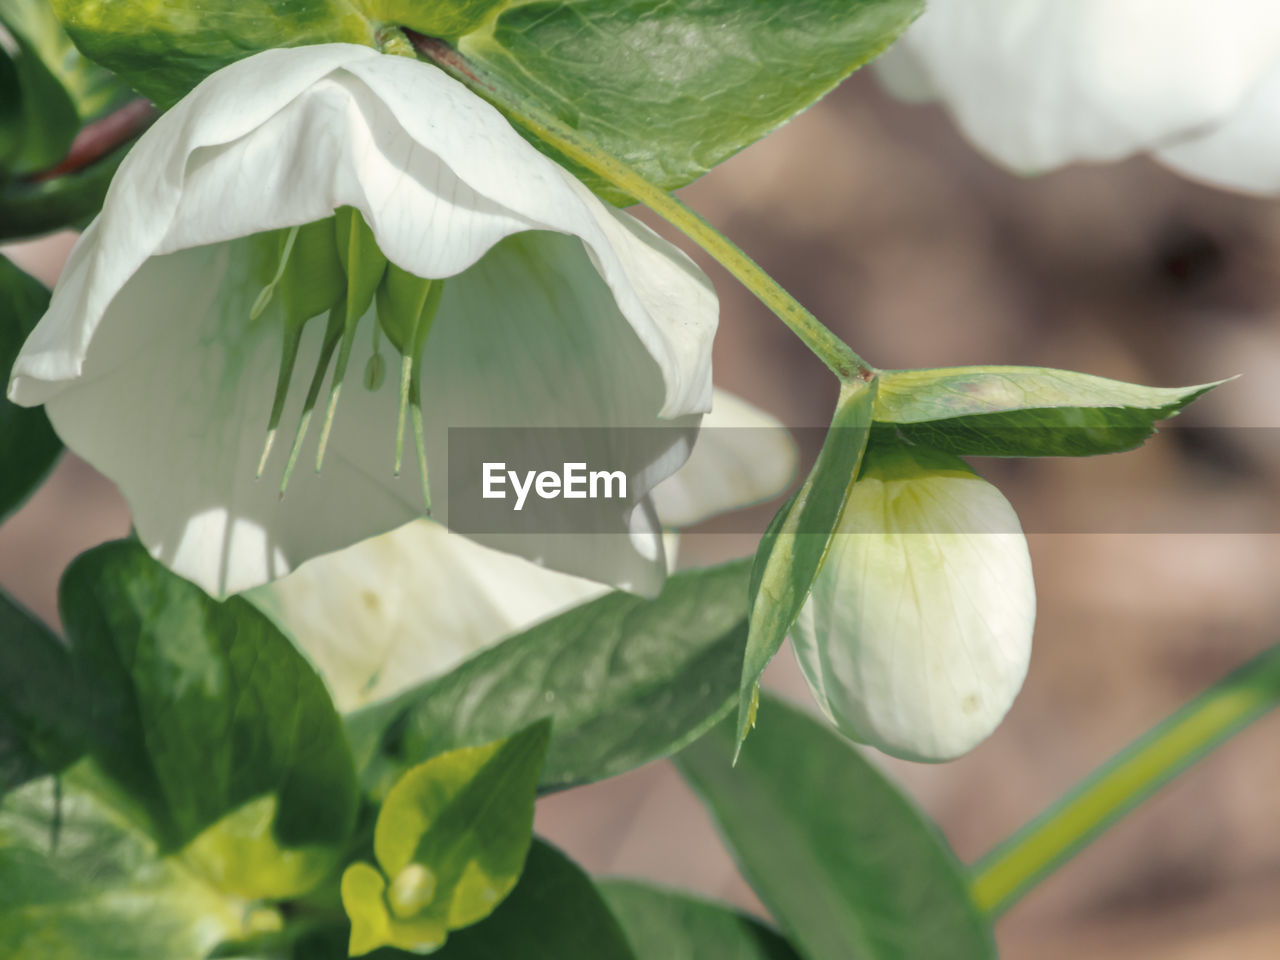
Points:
[(830, 349)]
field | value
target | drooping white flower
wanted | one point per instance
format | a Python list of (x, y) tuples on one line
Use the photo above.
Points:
[(395, 610), (917, 635), (1041, 83), (304, 205)]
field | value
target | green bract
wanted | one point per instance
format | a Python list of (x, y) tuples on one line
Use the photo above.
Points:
[(450, 842), (671, 89), (1024, 411)]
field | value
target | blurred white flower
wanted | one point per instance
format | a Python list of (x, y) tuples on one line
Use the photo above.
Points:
[(306, 204), (391, 612), (1037, 84), (917, 634)]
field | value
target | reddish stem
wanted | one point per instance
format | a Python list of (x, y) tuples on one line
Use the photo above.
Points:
[(100, 138)]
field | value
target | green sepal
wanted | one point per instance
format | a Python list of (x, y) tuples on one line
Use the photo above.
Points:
[(793, 547), (670, 89)]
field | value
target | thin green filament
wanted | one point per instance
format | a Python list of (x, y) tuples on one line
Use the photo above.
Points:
[(406, 373), (336, 266), (335, 390), (415, 403), (288, 357), (364, 266), (332, 336)]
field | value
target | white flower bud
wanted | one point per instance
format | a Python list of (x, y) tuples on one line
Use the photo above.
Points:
[(917, 634)]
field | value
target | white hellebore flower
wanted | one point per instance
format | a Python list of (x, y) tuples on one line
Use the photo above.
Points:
[(395, 610), (1041, 83), (329, 209), (917, 635)]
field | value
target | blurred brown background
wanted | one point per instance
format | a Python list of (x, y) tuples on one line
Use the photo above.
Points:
[(885, 223)]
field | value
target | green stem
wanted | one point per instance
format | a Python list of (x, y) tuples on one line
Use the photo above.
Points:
[(1001, 877), (829, 348)]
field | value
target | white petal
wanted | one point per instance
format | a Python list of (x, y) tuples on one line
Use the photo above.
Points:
[(905, 75), (1040, 83), (531, 337), (917, 635), (743, 456), (438, 173), (1242, 153), (152, 373), (528, 337), (141, 205), (396, 610)]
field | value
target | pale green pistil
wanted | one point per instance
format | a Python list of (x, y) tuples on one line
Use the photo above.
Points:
[(334, 268)]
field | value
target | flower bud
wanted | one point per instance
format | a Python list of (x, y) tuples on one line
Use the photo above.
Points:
[(917, 633)]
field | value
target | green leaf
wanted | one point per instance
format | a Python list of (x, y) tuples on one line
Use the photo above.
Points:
[(40, 132), (665, 925), (554, 913), (164, 48), (28, 445), (29, 208), (1024, 411), (49, 89), (795, 544), (671, 89), (451, 840), (210, 723), (447, 19), (91, 90), (78, 881), (847, 865), (624, 679), (42, 724)]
